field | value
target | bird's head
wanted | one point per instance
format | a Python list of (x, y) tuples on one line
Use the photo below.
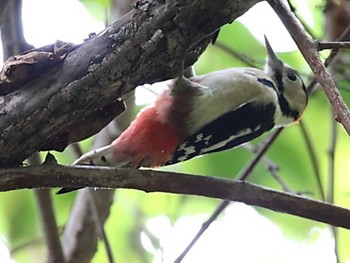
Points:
[(291, 91)]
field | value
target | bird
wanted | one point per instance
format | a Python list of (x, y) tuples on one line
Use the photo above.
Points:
[(199, 115)]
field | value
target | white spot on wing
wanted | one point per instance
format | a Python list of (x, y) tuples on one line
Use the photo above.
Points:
[(188, 150), (199, 137), (219, 144), (228, 140), (206, 139)]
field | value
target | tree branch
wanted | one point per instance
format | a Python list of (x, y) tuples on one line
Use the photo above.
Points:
[(242, 176), (49, 111), (335, 45), (155, 181), (80, 236), (48, 220)]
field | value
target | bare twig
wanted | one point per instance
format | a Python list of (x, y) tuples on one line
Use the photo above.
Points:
[(94, 206), (306, 26), (344, 36), (334, 45), (313, 157), (329, 60), (331, 178), (99, 225), (272, 168), (273, 171), (243, 175), (309, 50), (219, 209), (48, 221), (263, 147), (90, 210), (38, 241)]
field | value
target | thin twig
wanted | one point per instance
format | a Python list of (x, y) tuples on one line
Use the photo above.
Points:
[(243, 175), (272, 168), (306, 26), (309, 50), (344, 36), (273, 171), (38, 241), (44, 201), (48, 221), (333, 140), (99, 225), (94, 211), (334, 45), (329, 60), (263, 147), (314, 160), (331, 179), (219, 209)]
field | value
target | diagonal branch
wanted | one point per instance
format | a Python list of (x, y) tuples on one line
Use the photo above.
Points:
[(156, 181), (242, 176)]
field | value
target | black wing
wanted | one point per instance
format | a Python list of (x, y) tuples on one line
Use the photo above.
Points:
[(230, 130)]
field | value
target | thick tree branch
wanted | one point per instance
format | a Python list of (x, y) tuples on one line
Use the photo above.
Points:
[(155, 181), (145, 45)]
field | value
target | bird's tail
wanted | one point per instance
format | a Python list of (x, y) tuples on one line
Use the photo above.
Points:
[(99, 157)]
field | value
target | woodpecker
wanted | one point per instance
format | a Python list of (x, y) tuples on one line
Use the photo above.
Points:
[(205, 114)]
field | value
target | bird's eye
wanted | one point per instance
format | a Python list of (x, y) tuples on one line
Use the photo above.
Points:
[(291, 76)]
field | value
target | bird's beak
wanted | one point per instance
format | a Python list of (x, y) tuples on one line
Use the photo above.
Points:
[(273, 62)]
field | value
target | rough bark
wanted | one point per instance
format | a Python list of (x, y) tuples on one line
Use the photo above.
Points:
[(80, 236), (146, 45)]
